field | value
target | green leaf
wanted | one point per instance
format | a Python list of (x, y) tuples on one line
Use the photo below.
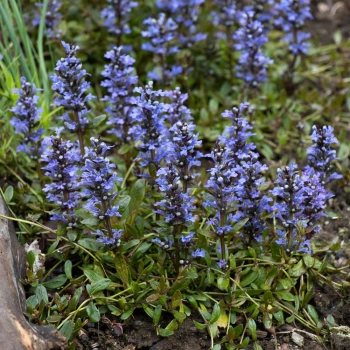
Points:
[(216, 347), (199, 326), (165, 332), (93, 313), (223, 283), (122, 268), (216, 314), (180, 316), (252, 276), (32, 302), (91, 244), (41, 294), (124, 149), (156, 314), (308, 261), (127, 314), (100, 285), (173, 325), (53, 246), (92, 275), (54, 318), (123, 204), (68, 269), (56, 282), (176, 299), (267, 320), (75, 300), (8, 195), (91, 221), (67, 329), (236, 227), (238, 330), (97, 121), (137, 194), (252, 328), (285, 296), (31, 259), (313, 313)]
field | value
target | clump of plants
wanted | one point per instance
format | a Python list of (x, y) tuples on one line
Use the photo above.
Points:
[(163, 180)]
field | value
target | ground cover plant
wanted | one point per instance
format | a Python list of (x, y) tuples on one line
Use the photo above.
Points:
[(174, 161)]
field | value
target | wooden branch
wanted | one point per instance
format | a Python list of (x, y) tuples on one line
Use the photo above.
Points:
[(15, 331)]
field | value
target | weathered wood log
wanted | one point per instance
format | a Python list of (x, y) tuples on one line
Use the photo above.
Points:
[(16, 333)]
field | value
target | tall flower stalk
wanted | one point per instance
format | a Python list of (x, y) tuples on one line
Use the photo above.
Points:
[(177, 111), (185, 13), (220, 187), (71, 87), (119, 81), (249, 39), (117, 16), (251, 203), (25, 120), (99, 182), (150, 130), (53, 17), (321, 155), (161, 33), (61, 158), (300, 202)]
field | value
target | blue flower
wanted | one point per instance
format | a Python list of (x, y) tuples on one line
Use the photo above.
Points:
[(62, 158), (150, 129), (53, 18), (249, 39), (187, 239), (26, 119), (244, 162), (292, 17), (177, 206), (300, 202), (119, 81), (113, 241), (117, 16), (182, 150), (321, 155), (161, 33), (198, 253), (185, 13), (177, 111), (99, 180), (71, 87)]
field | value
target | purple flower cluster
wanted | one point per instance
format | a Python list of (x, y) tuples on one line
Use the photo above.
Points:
[(292, 17), (300, 201), (52, 19), (71, 86), (264, 10), (99, 179), (250, 202), (321, 155), (250, 38), (150, 128), (224, 16), (220, 186), (161, 33), (117, 16), (185, 13), (62, 158), (26, 119), (119, 81), (177, 206), (182, 150), (177, 111)]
